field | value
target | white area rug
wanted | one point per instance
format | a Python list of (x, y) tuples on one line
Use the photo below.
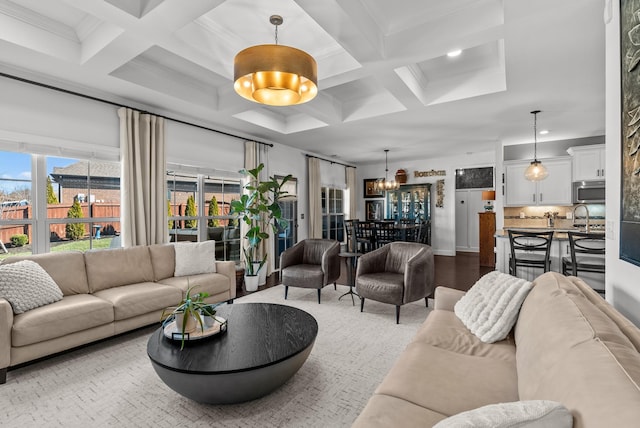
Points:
[(113, 383)]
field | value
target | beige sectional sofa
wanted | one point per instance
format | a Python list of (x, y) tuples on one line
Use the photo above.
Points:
[(568, 345), (106, 292)]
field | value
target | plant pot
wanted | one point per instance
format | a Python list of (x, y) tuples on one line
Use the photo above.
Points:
[(208, 321), (191, 325), (251, 282), (262, 273)]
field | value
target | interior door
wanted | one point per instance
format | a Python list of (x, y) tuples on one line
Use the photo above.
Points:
[(468, 205), (462, 220)]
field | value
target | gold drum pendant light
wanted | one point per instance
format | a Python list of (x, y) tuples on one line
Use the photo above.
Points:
[(536, 171), (275, 75)]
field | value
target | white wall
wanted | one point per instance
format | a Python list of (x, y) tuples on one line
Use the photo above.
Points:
[(442, 219), (621, 282)]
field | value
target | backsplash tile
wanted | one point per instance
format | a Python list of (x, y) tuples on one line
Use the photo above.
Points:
[(535, 216)]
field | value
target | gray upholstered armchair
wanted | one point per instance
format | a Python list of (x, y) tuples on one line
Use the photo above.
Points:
[(398, 273), (311, 263)]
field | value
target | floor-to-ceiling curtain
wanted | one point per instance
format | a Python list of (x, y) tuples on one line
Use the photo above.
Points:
[(144, 187), (250, 162), (315, 198), (267, 246), (350, 178)]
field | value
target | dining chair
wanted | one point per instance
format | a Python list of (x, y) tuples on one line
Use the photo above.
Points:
[(365, 236), (385, 233), (529, 249), (587, 254), (350, 235), (423, 235)]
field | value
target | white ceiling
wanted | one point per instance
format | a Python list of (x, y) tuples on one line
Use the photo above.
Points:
[(385, 80)]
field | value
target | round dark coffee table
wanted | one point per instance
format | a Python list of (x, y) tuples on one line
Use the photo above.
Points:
[(264, 346)]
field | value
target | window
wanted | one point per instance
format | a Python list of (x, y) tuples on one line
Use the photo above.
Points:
[(57, 204), (86, 194), (189, 208), (332, 213), (16, 214)]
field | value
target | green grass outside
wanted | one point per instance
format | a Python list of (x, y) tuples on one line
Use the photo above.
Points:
[(81, 245)]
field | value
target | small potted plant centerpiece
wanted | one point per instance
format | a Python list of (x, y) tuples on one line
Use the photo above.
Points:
[(258, 207), (191, 313)]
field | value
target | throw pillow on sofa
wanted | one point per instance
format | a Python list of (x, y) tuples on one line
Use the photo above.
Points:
[(26, 285), (529, 414), (193, 258), (490, 308)]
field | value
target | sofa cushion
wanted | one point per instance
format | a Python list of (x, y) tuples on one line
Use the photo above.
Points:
[(555, 301), (597, 382), (71, 314), (383, 411), (116, 267), (163, 260), (65, 267), (525, 414), (490, 308), (212, 283), (193, 258), (138, 299), (578, 363), (26, 285), (448, 382), (444, 329)]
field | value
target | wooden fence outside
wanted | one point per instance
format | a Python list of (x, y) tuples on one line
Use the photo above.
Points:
[(98, 210)]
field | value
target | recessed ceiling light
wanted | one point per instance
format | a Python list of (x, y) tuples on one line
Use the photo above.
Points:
[(544, 132), (456, 52)]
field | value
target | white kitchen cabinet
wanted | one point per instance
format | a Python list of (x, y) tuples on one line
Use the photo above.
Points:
[(588, 162), (553, 190)]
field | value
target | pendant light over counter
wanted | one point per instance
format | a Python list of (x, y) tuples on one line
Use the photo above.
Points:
[(275, 75), (536, 171)]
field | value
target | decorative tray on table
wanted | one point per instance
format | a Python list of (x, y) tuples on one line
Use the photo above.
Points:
[(172, 332)]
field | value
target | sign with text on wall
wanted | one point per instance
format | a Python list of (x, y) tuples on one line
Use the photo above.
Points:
[(432, 173)]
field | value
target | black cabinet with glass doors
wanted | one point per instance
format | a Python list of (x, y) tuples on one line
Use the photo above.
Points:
[(411, 202)]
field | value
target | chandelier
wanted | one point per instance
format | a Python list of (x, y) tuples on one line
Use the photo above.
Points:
[(536, 171), (275, 75), (385, 184)]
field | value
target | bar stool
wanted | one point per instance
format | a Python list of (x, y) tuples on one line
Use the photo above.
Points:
[(529, 249), (587, 254)]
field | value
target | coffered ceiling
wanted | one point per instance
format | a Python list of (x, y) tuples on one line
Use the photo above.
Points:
[(385, 80)]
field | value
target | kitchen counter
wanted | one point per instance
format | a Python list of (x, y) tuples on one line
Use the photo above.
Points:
[(560, 234)]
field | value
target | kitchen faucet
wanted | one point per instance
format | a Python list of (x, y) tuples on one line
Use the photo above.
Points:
[(586, 210)]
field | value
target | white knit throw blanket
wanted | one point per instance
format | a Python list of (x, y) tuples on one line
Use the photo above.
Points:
[(490, 308)]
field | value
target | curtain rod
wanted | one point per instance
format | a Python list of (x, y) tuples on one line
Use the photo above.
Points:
[(327, 160), (101, 100)]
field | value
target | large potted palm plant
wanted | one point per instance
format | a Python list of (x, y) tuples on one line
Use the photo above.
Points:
[(259, 209)]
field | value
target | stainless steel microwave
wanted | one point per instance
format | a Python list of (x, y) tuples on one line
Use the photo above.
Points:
[(588, 192)]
